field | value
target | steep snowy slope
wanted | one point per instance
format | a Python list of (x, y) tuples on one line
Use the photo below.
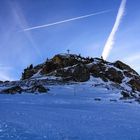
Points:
[(69, 112)]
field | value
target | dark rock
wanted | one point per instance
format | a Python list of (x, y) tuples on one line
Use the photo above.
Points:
[(128, 74), (78, 73), (98, 70), (135, 84), (113, 75), (123, 66), (64, 61), (97, 99), (12, 90), (28, 73), (63, 73), (49, 67), (6, 81), (81, 73), (37, 88), (70, 60), (125, 94), (95, 70)]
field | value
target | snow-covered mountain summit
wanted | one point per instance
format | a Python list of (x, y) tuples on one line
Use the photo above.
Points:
[(72, 68), (86, 99)]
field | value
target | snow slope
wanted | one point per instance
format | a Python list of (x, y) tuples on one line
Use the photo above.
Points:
[(69, 112)]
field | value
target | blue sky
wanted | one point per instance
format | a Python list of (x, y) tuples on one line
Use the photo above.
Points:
[(18, 49)]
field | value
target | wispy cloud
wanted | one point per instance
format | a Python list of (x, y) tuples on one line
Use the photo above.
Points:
[(67, 20), (2, 67), (133, 61), (16, 19), (22, 22), (132, 58), (4, 76), (5, 73), (110, 41)]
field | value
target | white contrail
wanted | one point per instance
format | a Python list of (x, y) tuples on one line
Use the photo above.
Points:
[(67, 20), (110, 41)]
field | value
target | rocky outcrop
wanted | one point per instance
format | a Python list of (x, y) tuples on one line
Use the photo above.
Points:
[(135, 84), (75, 67), (37, 89), (70, 67), (28, 72), (126, 95), (12, 90), (70, 59), (98, 70), (106, 73), (114, 75), (57, 62), (124, 67), (78, 73), (49, 67)]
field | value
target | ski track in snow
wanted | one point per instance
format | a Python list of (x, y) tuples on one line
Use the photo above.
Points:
[(69, 112)]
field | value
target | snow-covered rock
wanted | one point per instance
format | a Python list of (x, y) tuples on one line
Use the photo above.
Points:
[(71, 68)]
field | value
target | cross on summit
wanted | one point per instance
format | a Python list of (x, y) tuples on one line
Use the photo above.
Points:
[(68, 51)]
